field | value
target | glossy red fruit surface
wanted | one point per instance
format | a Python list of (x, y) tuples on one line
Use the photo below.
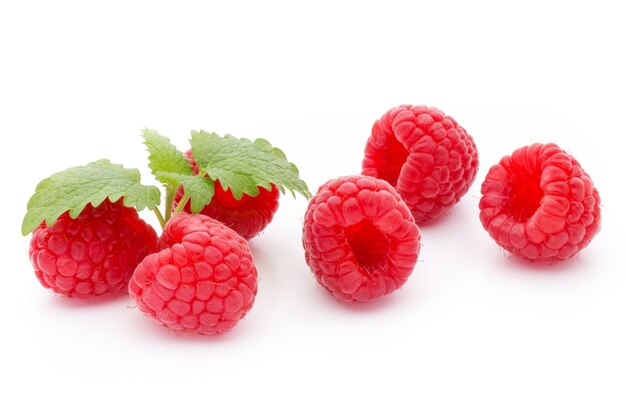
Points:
[(538, 203), (95, 253), (360, 239), (429, 159)]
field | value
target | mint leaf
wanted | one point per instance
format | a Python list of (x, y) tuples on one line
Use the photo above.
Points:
[(243, 165), (171, 168), (76, 187), (164, 157), (199, 189)]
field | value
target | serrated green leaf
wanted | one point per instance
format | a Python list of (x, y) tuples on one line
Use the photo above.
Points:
[(74, 188), (164, 157), (243, 165), (199, 189)]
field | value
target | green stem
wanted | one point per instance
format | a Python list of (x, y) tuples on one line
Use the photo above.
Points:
[(182, 203), (169, 200), (159, 216)]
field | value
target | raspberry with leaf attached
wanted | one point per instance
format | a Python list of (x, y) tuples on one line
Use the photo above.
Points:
[(87, 237), (247, 216), (93, 254)]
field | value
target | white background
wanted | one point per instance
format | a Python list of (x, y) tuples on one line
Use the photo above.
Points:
[(471, 333)]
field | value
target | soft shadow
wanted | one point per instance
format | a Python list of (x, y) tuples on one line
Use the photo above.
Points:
[(265, 263), (541, 270), (62, 301), (461, 213), (372, 306), (438, 222), (260, 254), (143, 326)]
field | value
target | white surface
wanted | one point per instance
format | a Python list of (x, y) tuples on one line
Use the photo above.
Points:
[(471, 333)]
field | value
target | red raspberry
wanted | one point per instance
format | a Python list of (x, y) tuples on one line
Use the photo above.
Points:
[(93, 254), (359, 238), (248, 216), (538, 203), (425, 155), (202, 281)]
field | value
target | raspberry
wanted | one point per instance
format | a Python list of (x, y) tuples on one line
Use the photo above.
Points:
[(425, 155), (202, 281), (359, 238), (93, 254), (539, 204), (247, 216)]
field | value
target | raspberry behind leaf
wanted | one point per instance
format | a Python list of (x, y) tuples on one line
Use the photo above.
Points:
[(93, 254), (248, 215), (236, 181), (539, 204), (360, 239)]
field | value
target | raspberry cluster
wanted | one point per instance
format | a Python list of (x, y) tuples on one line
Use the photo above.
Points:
[(360, 232), (199, 276), (538, 203)]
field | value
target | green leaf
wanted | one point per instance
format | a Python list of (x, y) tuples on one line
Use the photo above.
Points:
[(244, 166), (164, 157), (199, 189), (76, 187), (171, 168)]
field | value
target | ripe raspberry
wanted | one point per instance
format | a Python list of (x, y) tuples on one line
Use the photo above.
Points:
[(538, 203), (93, 254), (202, 281), (425, 155), (359, 238), (248, 216)]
